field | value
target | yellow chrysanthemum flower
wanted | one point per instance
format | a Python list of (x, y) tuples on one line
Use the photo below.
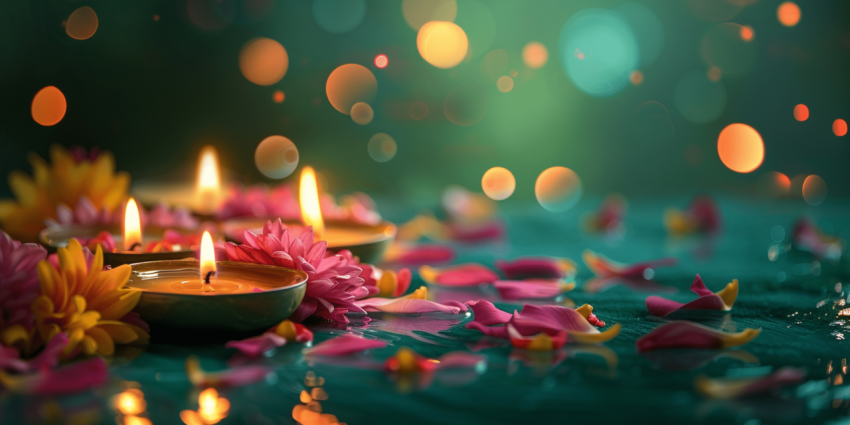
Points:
[(64, 181), (86, 303)]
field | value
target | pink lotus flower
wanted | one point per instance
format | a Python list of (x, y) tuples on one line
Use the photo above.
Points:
[(18, 281), (579, 324), (721, 301), (684, 334), (333, 282)]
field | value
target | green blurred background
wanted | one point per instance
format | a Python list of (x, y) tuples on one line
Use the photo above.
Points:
[(155, 91)]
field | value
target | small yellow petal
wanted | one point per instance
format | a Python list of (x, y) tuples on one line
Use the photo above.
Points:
[(729, 294), (121, 332), (541, 342), (428, 274), (15, 336), (122, 306), (89, 345), (85, 321), (105, 345), (42, 307), (47, 278), (585, 310), (387, 283), (420, 293), (740, 338), (286, 329), (594, 338), (74, 338)]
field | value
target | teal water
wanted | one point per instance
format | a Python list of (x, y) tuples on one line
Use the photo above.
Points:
[(793, 301)]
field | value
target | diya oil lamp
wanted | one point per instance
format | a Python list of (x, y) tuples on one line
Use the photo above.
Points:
[(369, 242), (130, 245), (210, 295), (203, 197)]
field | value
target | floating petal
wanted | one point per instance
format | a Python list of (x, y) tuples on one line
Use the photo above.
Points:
[(537, 267), (405, 306), (603, 267), (533, 288), (76, 377), (684, 334), (233, 377), (344, 345), (735, 388), (255, 346), (721, 301), (469, 274)]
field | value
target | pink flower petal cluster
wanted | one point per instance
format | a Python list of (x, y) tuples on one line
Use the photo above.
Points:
[(86, 214), (334, 281)]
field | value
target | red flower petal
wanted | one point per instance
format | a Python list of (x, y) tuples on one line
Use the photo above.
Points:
[(684, 334), (604, 267), (721, 301)]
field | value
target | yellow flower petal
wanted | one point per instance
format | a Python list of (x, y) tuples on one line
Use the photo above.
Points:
[(105, 344), (24, 189), (89, 345), (42, 307), (729, 294), (48, 278), (85, 321), (124, 305), (387, 283), (596, 337), (74, 338), (121, 332), (15, 336)]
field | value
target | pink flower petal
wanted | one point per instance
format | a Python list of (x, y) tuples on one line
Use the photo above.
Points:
[(487, 314), (255, 346), (537, 267), (405, 306), (75, 377), (232, 377), (418, 255), (533, 288), (492, 230), (684, 334), (344, 345), (722, 301), (604, 267), (469, 274), (736, 388)]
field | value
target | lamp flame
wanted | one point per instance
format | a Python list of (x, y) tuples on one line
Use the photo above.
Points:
[(132, 226), (209, 183), (311, 213), (211, 407), (207, 256)]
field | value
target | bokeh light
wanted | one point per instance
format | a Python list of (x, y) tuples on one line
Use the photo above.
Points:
[(599, 51), (465, 105), (442, 44), (558, 189), (362, 113), (814, 190), (801, 112), (839, 127), (263, 61), (788, 14), (773, 185), (535, 55), (48, 106), (82, 24), (715, 10), (747, 33), (505, 84), (381, 61), (636, 77), (418, 110), (714, 73), (278, 96), (647, 29), (276, 157), (418, 12), (699, 99), (494, 65), (723, 47), (339, 16), (382, 147), (741, 148), (349, 84), (498, 183)]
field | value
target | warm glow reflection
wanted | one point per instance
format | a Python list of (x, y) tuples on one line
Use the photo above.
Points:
[(740, 148), (311, 214), (442, 44), (207, 255), (381, 61), (814, 190), (132, 226), (535, 55), (208, 185), (498, 183), (839, 127), (136, 420), (788, 14), (211, 407), (636, 77), (558, 189), (82, 24), (49, 106), (263, 61), (505, 84), (130, 402), (801, 112), (747, 33), (349, 84)]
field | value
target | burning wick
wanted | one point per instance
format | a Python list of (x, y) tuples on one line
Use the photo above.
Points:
[(208, 267), (134, 246)]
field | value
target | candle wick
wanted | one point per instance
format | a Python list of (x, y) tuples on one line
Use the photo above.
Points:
[(133, 246), (207, 277)]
